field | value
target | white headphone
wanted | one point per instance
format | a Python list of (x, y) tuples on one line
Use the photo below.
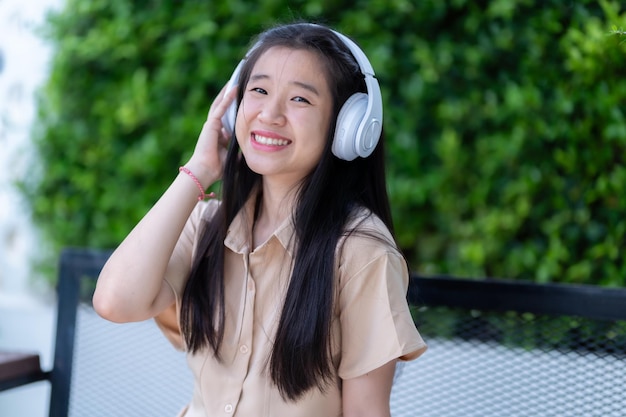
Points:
[(360, 120)]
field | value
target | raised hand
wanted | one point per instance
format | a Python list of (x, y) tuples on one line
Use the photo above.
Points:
[(207, 161)]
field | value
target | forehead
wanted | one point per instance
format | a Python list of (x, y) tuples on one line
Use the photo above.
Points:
[(289, 64)]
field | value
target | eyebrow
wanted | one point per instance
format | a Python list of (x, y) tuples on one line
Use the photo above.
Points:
[(300, 84)]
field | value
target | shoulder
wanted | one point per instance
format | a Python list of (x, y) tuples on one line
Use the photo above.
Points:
[(366, 240), (366, 232)]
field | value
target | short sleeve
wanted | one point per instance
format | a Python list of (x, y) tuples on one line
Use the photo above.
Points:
[(375, 319), (178, 271), (182, 257)]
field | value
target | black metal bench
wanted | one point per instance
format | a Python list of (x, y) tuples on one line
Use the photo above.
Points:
[(19, 368), (484, 336), (508, 348), (101, 368)]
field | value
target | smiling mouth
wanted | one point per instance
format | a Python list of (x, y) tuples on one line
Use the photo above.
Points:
[(270, 141)]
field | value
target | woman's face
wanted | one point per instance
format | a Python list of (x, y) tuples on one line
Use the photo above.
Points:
[(284, 116)]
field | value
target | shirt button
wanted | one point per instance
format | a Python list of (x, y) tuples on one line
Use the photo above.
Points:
[(228, 408), (243, 349)]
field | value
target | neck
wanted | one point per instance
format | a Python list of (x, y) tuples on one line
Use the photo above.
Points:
[(276, 205)]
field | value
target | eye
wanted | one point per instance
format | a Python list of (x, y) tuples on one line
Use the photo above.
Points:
[(300, 99), (258, 90)]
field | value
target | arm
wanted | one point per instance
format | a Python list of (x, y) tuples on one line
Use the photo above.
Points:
[(131, 286), (368, 395)]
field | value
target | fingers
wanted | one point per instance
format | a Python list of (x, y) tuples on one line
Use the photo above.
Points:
[(222, 102), (219, 98), (212, 145), (224, 138)]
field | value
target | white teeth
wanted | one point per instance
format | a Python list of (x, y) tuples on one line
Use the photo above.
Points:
[(270, 141)]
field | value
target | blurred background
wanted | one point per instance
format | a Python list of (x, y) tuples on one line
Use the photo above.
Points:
[(24, 65), (26, 297), (505, 129)]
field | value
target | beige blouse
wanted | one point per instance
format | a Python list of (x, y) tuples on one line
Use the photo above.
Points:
[(371, 325)]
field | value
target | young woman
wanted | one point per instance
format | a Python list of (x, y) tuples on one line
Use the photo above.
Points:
[(288, 295)]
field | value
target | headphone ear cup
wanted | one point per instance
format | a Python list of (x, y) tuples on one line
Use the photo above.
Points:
[(345, 143), (228, 119)]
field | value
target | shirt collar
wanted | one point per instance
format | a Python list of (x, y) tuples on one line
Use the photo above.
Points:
[(239, 234)]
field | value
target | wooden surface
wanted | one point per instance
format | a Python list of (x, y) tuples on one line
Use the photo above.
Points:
[(18, 364)]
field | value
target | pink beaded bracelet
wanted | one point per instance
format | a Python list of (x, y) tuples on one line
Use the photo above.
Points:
[(202, 195)]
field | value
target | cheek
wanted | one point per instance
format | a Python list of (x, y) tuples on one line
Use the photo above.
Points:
[(317, 145), (324, 123)]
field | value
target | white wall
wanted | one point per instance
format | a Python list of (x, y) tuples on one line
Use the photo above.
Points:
[(23, 68)]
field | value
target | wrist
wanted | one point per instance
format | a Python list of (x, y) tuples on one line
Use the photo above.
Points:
[(202, 172), (202, 195)]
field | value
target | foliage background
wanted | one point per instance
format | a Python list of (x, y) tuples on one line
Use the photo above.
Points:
[(504, 120)]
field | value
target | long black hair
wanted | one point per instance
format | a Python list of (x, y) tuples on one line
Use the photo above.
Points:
[(326, 200)]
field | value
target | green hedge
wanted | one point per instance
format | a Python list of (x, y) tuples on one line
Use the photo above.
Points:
[(505, 122)]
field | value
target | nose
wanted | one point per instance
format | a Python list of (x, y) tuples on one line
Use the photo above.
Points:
[(272, 113)]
